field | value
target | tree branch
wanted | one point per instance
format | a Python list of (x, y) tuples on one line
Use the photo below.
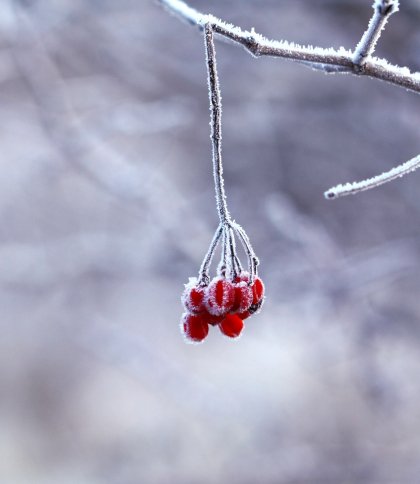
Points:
[(342, 60), (330, 61)]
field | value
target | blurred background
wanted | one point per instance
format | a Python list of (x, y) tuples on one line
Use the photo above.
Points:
[(107, 207)]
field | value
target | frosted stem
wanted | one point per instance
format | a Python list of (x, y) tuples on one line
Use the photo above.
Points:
[(216, 124), (234, 260), (252, 258), (204, 269), (223, 261), (229, 262)]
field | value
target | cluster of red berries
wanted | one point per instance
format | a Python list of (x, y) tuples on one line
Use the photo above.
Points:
[(223, 302)]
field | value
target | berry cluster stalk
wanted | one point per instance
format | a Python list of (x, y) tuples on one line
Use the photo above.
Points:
[(230, 263)]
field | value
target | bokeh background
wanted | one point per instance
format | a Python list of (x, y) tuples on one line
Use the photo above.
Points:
[(107, 207)]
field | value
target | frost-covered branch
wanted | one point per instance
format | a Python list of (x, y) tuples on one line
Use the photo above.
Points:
[(328, 60)]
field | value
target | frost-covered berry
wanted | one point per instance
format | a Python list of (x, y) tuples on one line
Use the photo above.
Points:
[(220, 296), (193, 296), (194, 327), (232, 326), (243, 297), (257, 291)]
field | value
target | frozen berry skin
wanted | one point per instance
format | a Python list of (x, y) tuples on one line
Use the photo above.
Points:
[(194, 327), (243, 297), (257, 294), (232, 326), (193, 297), (220, 296), (257, 291)]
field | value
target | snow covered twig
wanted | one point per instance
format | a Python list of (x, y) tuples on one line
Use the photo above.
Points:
[(376, 181), (327, 60)]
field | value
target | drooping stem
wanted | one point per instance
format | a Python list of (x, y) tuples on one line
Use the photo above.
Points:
[(216, 124), (229, 265)]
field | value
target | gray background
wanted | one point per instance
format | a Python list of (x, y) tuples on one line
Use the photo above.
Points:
[(107, 207)]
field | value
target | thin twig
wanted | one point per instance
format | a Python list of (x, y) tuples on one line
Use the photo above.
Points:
[(376, 181)]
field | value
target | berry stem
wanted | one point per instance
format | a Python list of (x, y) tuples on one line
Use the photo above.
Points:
[(216, 124), (227, 229), (221, 270), (204, 278), (232, 252), (252, 258)]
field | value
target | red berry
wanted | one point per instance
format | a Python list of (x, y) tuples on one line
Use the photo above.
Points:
[(243, 297), (193, 296), (194, 327), (220, 296), (232, 326), (257, 290), (257, 294)]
